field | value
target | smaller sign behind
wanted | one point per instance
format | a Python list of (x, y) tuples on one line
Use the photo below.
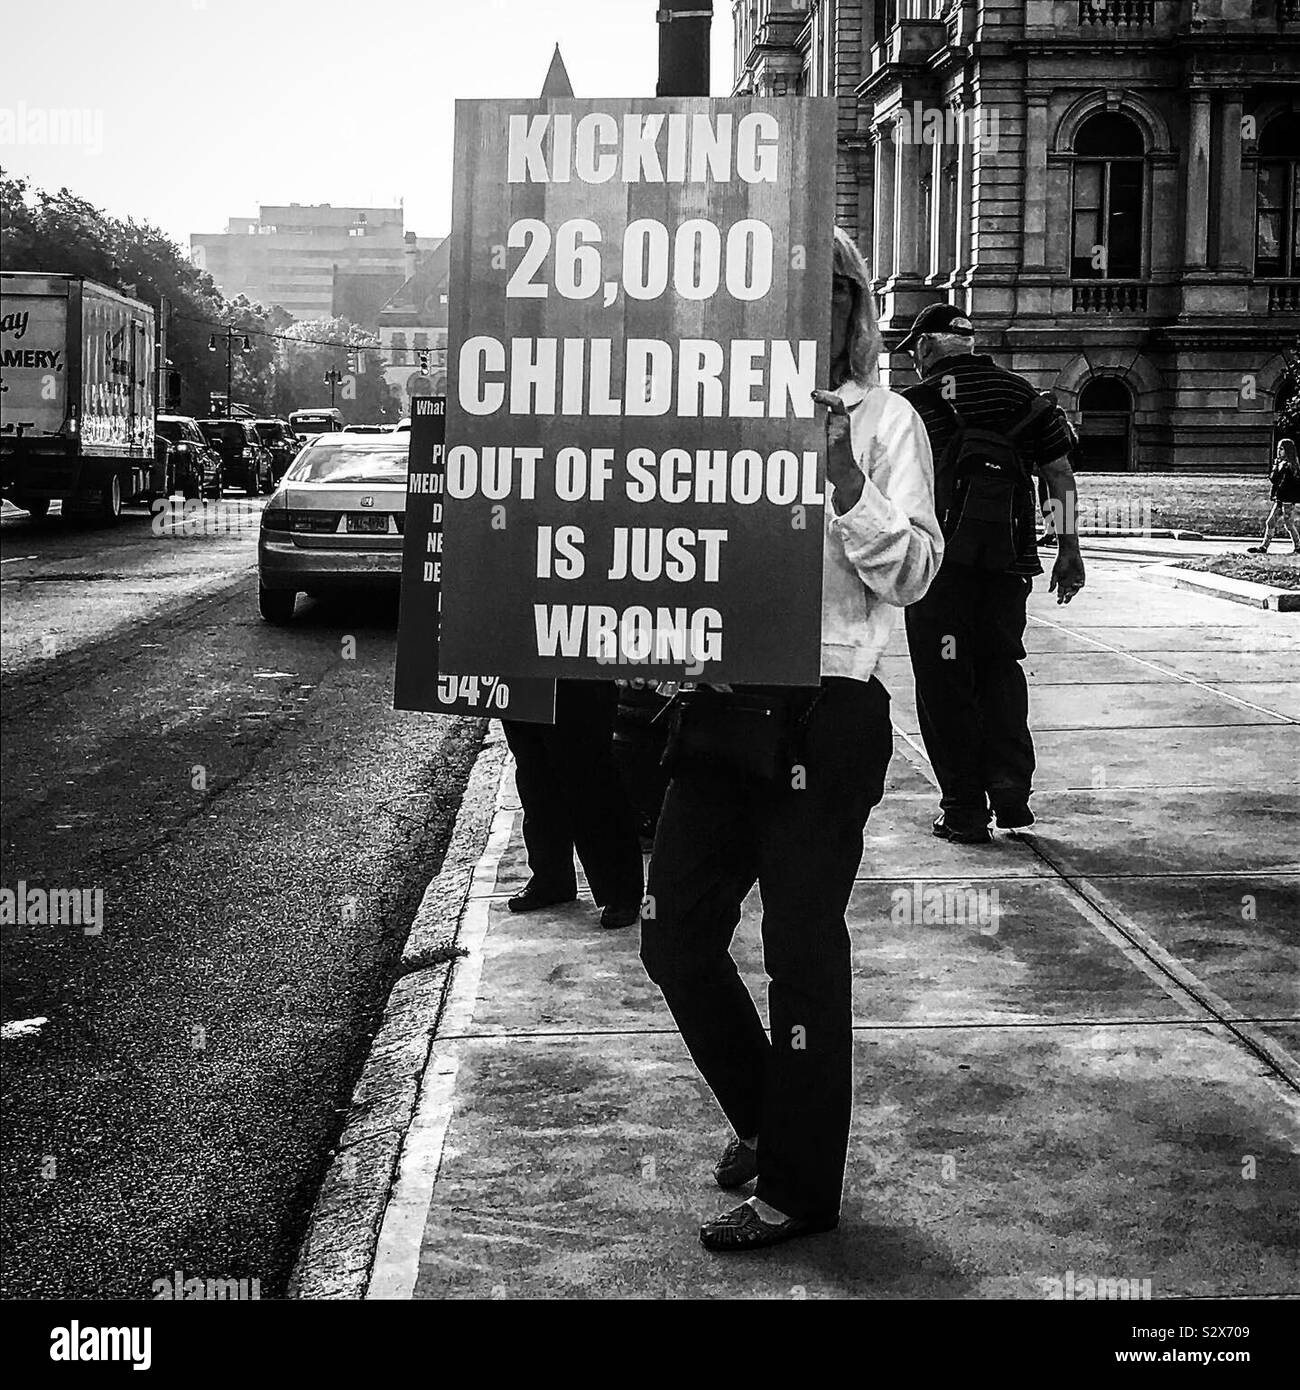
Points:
[(419, 684)]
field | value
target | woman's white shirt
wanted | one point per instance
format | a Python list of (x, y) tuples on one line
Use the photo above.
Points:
[(884, 552)]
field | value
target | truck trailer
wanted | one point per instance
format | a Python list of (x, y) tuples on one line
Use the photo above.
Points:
[(78, 395)]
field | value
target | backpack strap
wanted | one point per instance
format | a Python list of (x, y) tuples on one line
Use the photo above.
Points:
[(1038, 407)]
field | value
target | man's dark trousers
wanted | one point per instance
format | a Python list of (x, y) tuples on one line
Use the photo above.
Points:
[(717, 836), (966, 638), (573, 799)]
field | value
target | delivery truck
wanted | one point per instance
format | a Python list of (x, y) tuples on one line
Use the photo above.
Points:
[(78, 394)]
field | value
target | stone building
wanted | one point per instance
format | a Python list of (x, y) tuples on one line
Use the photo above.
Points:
[(413, 326), (1110, 187)]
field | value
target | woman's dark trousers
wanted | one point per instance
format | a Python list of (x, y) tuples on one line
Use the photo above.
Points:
[(717, 836)]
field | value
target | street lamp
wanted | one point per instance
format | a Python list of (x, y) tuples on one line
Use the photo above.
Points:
[(332, 379), (229, 335)]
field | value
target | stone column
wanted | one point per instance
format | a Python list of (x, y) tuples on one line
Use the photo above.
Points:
[(1231, 253), (1198, 184), (884, 209), (1035, 234), (907, 196)]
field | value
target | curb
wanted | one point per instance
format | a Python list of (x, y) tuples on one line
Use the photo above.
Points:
[(338, 1250), (1223, 586)]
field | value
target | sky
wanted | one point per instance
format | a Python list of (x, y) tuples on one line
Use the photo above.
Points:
[(185, 113)]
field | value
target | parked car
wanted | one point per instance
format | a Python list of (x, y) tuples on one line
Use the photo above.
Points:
[(368, 429), (247, 463), (335, 522), (198, 466), (279, 438)]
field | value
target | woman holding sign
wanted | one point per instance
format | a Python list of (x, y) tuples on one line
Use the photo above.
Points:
[(775, 786)]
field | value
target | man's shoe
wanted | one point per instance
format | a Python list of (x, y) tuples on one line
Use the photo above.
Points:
[(743, 1229), (620, 915), (969, 835), (737, 1166), (1047, 540), (1257, 550), (534, 897), (1015, 817)]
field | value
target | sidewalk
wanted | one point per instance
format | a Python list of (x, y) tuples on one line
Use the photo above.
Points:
[(1098, 1077)]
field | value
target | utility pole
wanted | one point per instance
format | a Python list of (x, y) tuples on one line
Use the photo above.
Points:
[(683, 47)]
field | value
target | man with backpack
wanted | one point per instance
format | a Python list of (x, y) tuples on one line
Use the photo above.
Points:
[(991, 433)]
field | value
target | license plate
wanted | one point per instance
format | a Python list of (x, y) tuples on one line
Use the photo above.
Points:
[(367, 525)]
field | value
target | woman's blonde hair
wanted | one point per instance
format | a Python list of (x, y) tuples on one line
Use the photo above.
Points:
[(865, 344)]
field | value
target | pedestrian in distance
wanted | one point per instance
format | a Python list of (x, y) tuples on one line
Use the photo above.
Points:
[(573, 800), (774, 786), (1284, 481), (991, 432)]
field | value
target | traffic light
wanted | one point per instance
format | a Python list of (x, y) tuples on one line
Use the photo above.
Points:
[(352, 360), (424, 364)]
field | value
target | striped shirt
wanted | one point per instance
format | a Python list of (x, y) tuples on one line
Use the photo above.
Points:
[(991, 397)]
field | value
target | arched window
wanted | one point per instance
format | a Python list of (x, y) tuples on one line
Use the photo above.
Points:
[(1277, 200), (1107, 199)]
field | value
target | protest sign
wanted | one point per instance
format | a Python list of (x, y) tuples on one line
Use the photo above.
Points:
[(419, 685), (639, 314)]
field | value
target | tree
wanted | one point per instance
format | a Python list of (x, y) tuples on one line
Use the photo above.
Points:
[(61, 233), (308, 351)]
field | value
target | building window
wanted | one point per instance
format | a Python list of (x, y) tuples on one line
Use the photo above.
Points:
[(1277, 200), (1109, 175), (398, 349), (421, 342)]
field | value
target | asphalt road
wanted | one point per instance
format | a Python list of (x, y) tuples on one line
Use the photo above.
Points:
[(261, 824)]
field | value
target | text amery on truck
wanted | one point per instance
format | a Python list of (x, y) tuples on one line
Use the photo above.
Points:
[(78, 393)]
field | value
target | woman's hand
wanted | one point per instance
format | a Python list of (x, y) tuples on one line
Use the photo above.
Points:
[(842, 471)]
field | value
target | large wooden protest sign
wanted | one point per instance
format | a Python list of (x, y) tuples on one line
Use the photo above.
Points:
[(639, 313), (419, 685)]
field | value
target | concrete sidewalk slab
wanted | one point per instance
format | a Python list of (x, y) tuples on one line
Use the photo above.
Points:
[(983, 1165), (1073, 1083)]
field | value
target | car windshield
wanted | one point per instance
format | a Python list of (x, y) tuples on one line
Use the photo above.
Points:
[(171, 429), (344, 462), (305, 424)]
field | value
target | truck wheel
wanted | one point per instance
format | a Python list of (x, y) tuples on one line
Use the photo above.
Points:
[(110, 502), (39, 507), (276, 605)]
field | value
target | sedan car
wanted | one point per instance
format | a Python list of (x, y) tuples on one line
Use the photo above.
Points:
[(198, 466), (281, 442), (335, 522), (247, 461)]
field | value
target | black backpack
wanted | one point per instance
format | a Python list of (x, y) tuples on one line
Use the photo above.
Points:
[(984, 490)]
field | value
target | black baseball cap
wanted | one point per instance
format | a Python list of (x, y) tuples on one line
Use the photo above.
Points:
[(937, 318)]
